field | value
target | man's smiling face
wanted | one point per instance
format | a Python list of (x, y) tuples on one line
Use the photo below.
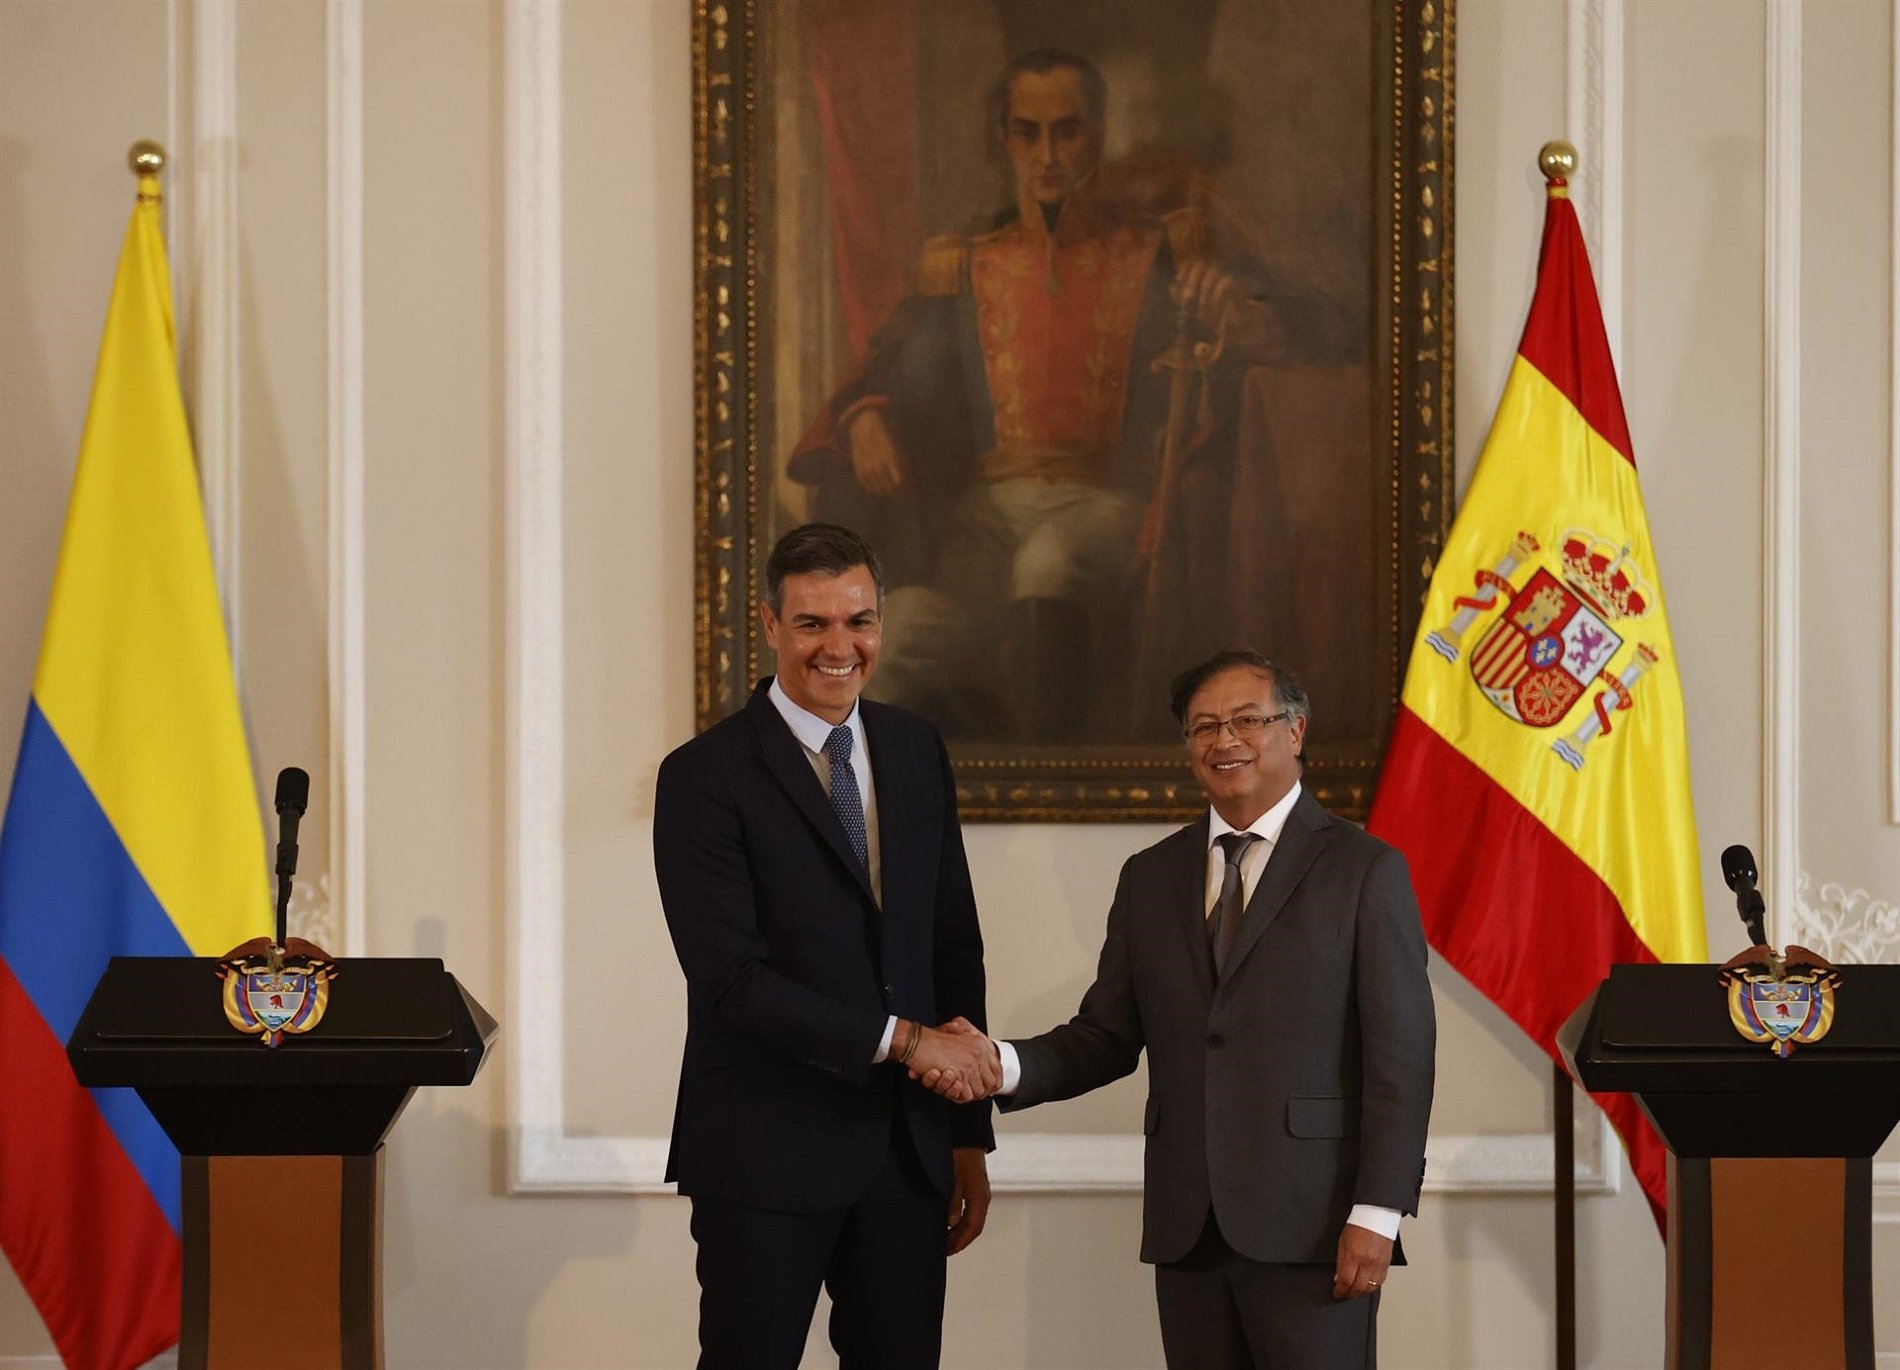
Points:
[(826, 632), (1244, 776)]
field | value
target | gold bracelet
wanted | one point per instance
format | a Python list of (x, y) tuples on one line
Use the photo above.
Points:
[(910, 1047)]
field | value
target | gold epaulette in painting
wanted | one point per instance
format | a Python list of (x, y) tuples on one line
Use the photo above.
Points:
[(945, 266)]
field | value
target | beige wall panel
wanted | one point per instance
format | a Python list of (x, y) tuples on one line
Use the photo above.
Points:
[(463, 1267), (1491, 1078), (1044, 893), (1846, 457), (282, 612), (1509, 84), (1847, 237), (628, 453), (78, 85), (1692, 378)]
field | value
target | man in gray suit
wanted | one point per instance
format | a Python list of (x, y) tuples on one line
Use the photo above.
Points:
[(1270, 958)]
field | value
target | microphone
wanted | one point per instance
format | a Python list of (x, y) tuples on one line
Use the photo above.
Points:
[(1738, 869), (293, 797)]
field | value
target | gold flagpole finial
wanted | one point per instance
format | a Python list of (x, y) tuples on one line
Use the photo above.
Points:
[(145, 157), (1557, 160)]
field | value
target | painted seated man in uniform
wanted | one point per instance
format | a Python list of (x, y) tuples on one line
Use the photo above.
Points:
[(1014, 407)]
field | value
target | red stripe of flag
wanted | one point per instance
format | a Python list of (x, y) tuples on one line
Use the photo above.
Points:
[(1564, 337), (82, 1230), (1431, 796)]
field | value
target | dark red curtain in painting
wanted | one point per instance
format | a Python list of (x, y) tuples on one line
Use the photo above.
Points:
[(862, 58)]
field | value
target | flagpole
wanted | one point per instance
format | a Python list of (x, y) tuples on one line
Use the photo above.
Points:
[(1557, 160), (1563, 1119)]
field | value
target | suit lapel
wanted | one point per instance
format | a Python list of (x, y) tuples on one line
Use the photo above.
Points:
[(892, 835), (1301, 841), (1188, 874), (785, 760)]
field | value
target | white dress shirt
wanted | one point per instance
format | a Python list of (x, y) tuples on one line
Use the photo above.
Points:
[(811, 732), (1267, 827)]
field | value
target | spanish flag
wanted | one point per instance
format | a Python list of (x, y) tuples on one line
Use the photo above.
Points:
[(132, 830), (1538, 774)]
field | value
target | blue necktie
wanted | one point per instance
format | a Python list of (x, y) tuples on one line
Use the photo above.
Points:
[(844, 793)]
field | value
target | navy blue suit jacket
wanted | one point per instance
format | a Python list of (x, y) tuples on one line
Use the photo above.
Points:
[(792, 968)]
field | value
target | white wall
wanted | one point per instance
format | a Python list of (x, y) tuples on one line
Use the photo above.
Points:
[(375, 634)]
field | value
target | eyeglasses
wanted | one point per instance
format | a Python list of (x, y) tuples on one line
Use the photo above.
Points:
[(1240, 725)]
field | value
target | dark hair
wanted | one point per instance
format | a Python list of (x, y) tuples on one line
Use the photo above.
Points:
[(1041, 62), (1286, 685), (818, 548)]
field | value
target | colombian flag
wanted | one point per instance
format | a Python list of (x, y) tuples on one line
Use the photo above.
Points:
[(1538, 774), (132, 830)]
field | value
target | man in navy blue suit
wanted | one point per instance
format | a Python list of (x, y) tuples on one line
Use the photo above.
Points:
[(813, 876)]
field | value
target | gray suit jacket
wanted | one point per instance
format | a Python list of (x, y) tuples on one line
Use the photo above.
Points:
[(1298, 1085)]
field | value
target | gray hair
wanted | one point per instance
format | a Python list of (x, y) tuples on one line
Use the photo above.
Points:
[(1286, 685)]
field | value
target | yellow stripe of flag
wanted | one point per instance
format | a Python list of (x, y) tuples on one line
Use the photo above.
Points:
[(1546, 472), (135, 604)]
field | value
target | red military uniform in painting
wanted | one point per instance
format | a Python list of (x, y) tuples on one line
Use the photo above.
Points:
[(1056, 317), (1018, 383)]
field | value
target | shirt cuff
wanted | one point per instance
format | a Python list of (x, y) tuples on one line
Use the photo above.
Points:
[(884, 1044), (1012, 1068), (1384, 1221)]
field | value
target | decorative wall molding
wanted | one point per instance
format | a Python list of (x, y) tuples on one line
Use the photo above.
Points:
[(1781, 464), (541, 1153), (312, 914), (1526, 1163), (1502, 1163), (1108, 1163), (1593, 109), (346, 461), (1886, 1192), (1849, 927), (209, 161), (177, 201), (1893, 443), (201, 227)]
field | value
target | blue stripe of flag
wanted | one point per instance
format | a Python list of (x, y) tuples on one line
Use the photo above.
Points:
[(70, 900)]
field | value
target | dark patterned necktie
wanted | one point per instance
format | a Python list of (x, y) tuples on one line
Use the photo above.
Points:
[(844, 793), (1223, 924)]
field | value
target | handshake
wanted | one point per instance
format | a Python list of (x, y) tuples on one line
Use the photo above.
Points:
[(954, 1060)]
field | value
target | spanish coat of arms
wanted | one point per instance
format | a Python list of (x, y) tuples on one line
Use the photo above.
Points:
[(1558, 635)]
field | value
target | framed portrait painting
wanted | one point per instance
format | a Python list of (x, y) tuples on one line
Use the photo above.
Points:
[(1122, 332)]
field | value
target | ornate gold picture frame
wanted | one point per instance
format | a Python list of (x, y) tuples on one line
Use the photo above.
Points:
[(1117, 361)]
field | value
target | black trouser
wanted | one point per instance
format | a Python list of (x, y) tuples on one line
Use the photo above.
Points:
[(881, 1260)]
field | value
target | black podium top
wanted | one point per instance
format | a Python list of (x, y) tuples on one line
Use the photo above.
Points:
[(1663, 1033), (157, 1022)]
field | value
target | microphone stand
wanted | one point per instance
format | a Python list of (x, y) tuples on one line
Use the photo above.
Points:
[(293, 795)]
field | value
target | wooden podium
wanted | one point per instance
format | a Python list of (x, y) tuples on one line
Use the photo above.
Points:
[(280, 1148), (1770, 1159)]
